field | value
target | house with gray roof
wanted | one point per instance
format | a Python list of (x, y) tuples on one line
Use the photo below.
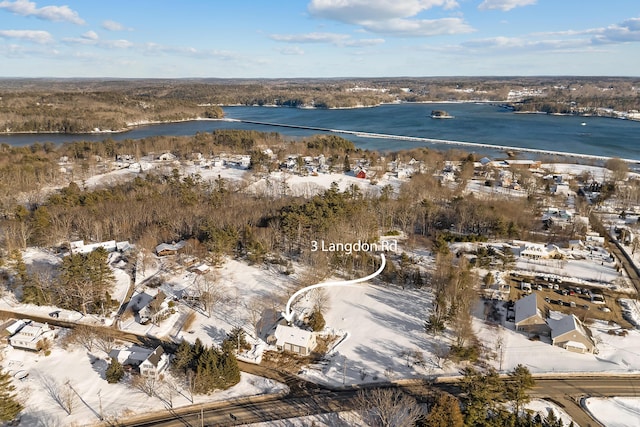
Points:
[(529, 317), (569, 333)]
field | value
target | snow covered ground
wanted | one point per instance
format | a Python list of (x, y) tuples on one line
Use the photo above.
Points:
[(615, 411), (542, 407), (80, 374)]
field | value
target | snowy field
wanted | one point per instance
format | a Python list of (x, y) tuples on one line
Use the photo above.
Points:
[(615, 411)]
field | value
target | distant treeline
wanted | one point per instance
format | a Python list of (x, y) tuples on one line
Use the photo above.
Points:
[(79, 106)]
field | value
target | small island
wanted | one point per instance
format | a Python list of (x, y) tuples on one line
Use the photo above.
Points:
[(440, 114)]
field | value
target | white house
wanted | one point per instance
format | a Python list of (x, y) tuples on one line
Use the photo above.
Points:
[(295, 340), (150, 363), (31, 336), (154, 364)]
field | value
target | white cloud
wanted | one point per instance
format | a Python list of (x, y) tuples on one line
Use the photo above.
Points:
[(626, 31), (394, 17), (504, 5), (114, 26), (291, 50), (35, 36), (91, 38), (48, 13), (90, 35), (509, 44), (325, 38), (356, 11), (419, 27)]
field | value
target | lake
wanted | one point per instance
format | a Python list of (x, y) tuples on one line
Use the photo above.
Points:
[(478, 123)]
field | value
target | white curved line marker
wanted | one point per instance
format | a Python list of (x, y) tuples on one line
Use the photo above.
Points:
[(288, 313)]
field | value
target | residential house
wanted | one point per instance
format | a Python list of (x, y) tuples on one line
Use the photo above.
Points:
[(295, 340), (32, 335), (154, 308), (154, 364), (165, 249), (529, 316), (569, 333), (150, 363), (533, 250)]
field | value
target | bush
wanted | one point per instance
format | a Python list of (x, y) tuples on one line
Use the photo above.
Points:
[(470, 353), (316, 321)]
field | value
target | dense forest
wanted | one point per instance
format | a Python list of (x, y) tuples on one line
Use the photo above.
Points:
[(81, 106)]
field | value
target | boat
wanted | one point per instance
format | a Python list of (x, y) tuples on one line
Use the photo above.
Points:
[(440, 114), (583, 124)]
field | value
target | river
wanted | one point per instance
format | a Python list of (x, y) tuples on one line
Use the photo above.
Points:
[(473, 123)]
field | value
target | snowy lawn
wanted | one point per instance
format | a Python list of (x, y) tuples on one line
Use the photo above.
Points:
[(615, 411), (77, 373)]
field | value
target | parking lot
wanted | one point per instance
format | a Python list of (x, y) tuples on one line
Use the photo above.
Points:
[(570, 298)]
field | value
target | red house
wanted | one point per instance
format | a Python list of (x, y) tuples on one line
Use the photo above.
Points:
[(362, 174)]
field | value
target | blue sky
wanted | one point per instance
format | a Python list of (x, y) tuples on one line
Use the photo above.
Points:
[(318, 38)]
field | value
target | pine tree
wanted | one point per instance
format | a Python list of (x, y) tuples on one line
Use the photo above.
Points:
[(183, 357), (445, 413), (10, 407), (114, 372), (519, 383), (230, 370)]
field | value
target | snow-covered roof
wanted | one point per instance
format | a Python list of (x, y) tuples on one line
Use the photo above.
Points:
[(170, 246), (527, 307), (565, 324), (287, 334)]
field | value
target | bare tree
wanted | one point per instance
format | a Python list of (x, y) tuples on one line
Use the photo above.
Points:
[(255, 310), (145, 384), (388, 408), (63, 395), (209, 291), (83, 335), (105, 339), (320, 300)]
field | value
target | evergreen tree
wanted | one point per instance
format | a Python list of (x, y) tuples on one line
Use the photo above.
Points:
[(230, 370), (482, 395), (10, 407), (183, 357), (445, 413), (346, 165), (114, 372), (519, 383)]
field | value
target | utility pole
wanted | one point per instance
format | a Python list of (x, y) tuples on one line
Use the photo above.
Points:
[(100, 400)]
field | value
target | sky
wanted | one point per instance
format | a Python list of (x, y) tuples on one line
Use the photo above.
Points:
[(318, 38)]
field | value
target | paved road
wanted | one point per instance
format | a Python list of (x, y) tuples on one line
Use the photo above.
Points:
[(308, 398), (565, 392)]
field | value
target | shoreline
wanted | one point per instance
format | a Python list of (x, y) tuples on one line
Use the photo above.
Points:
[(133, 125)]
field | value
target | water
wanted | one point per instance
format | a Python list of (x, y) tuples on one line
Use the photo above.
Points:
[(480, 123)]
